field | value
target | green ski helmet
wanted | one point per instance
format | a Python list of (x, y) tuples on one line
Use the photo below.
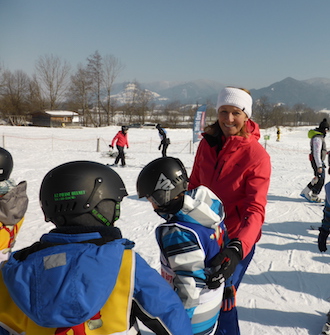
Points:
[(71, 190)]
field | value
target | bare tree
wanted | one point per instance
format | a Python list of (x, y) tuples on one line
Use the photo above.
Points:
[(1, 76), (14, 92), (35, 100), (172, 112), (131, 99), (261, 112), (145, 98), (53, 76), (111, 69), (80, 92), (138, 101), (277, 115), (95, 70)]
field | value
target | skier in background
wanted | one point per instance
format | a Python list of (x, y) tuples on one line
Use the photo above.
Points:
[(164, 140), (316, 157), (278, 133), (13, 205), (122, 140)]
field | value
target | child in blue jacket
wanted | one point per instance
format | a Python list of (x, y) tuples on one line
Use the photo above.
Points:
[(189, 238), (82, 276)]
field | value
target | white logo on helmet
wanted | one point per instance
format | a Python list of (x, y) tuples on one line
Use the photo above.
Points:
[(164, 183)]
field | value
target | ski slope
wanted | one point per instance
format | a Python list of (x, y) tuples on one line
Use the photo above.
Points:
[(286, 289)]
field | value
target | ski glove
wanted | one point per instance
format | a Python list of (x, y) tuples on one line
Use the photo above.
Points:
[(110, 146), (322, 240), (225, 263), (229, 298)]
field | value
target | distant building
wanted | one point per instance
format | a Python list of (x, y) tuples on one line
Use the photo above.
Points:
[(56, 118)]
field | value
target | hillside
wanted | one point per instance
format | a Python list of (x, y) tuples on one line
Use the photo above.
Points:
[(314, 93)]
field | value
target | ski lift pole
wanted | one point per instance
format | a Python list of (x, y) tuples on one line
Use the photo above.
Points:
[(98, 145), (266, 138)]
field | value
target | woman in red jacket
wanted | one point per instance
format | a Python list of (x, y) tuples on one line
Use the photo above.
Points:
[(122, 140), (233, 164)]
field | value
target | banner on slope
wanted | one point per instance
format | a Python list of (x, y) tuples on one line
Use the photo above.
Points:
[(199, 123)]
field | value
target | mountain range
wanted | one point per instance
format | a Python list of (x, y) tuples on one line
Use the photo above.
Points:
[(314, 93)]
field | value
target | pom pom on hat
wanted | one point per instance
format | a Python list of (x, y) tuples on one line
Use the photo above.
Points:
[(236, 97), (324, 125)]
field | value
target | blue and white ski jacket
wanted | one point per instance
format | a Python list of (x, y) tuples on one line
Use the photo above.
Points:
[(188, 242), (84, 282)]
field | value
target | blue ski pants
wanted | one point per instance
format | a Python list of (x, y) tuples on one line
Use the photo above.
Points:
[(228, 321)]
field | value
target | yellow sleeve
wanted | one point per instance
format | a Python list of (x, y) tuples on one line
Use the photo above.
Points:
[(8, 234)]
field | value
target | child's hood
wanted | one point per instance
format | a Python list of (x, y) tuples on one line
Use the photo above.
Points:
[(13, 205), (313, 132), (201, 206), (67, 284)]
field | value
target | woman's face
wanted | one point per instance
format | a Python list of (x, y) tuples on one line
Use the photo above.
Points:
[(231, 120)]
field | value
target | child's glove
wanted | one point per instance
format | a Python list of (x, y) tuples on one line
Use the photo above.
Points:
[(110, 146), (225, 263), (229, 298), (322, 239)]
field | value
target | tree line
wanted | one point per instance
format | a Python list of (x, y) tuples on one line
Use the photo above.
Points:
[(55, 86), (88, 88)]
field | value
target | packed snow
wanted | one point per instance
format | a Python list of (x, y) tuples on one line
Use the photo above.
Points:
[(286, 289)]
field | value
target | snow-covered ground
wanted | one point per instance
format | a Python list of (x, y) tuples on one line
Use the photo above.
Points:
[(286, 289)]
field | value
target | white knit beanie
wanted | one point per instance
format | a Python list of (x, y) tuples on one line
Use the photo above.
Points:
[(235, 97)]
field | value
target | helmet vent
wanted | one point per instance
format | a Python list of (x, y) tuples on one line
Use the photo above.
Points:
[(178, 180), (63, 208)]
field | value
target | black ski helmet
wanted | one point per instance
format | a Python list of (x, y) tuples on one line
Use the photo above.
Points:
[(6, 164), (124, 128), (76, 188), (162, 179)]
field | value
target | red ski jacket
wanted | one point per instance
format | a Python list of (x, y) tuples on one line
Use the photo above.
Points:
[(121, 139), (239, 175)]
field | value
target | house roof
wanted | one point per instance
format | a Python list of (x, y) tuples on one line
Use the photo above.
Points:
[(61, 113)]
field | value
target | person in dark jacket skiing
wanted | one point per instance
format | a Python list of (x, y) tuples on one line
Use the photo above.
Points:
[(121, 139), (317, 156), (164, 140), (82, 275)]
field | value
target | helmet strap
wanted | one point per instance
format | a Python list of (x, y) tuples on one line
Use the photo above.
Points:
[(117, 211), (173, 206), (98, 216), (114, 209)]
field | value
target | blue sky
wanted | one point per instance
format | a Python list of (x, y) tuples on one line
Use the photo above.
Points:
[(235, 42)]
